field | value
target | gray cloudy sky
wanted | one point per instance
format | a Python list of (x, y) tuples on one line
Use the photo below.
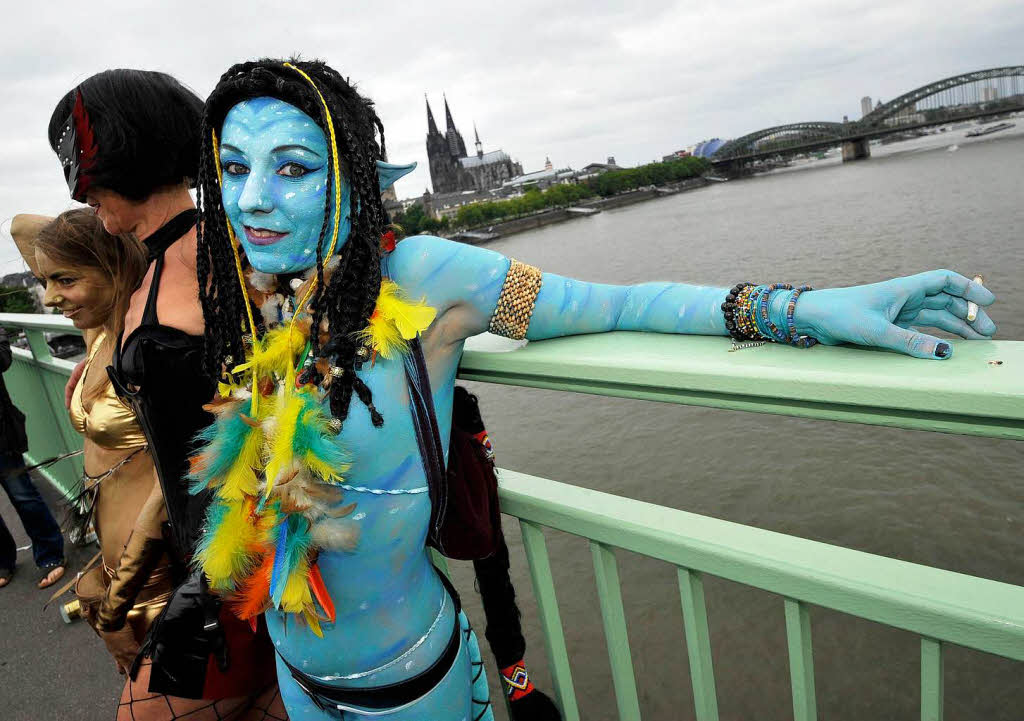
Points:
[(572, 80)]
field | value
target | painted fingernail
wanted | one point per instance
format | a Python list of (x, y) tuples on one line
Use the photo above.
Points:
[(942, 350)]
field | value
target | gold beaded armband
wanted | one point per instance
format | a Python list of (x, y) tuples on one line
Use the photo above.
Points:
[(515, 304)]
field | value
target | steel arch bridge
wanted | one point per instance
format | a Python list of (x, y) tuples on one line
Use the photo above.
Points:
[(781, 137), (817, 135), (893, 108)]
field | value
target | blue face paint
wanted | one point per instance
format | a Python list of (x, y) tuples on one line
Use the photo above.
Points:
[(275, 178)]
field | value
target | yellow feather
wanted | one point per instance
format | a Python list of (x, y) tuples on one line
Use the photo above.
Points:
[(280, 457), (279, 348), (266, 527), (275, 352), (383, 336), (313, 621), (409, 317), (329, 473), (226, 556), (241, 480), (297, 596)]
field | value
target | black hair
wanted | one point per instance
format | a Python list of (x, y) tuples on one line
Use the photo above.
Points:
[(146, 128), (349, 298)]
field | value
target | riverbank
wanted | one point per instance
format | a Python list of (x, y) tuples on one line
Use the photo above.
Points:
[(484, 234)]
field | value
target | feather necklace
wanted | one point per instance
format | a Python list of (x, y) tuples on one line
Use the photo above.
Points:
[(273, 461)]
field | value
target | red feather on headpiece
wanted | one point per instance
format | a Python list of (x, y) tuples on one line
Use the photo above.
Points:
[(85, 140)]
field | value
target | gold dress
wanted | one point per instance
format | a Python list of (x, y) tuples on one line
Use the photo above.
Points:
[(120, 473)]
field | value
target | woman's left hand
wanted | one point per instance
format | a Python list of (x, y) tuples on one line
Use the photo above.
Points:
[(886, 314), (122, 646)]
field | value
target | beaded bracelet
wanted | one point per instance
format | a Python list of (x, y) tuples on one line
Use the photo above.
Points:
[(731, 309), (745, 321), (747, 318), (800, 341), (775, 334)]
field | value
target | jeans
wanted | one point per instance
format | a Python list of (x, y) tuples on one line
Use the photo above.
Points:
[(47, 541)]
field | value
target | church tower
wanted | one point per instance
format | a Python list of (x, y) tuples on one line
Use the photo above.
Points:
[(443, 168), (453, 170), (456, 145)]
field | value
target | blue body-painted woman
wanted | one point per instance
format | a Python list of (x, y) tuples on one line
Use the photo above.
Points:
[(393, 615)]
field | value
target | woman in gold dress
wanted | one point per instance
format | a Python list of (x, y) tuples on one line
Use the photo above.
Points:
[(89, 275)]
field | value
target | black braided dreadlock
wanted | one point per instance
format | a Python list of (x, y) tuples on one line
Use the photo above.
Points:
[(349, 299)]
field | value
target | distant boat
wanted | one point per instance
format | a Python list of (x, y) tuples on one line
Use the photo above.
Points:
[(716, 179), (953, 148), (989, 130)]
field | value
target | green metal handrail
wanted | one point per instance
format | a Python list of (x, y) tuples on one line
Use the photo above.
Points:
[(969, 394), (36, 383)]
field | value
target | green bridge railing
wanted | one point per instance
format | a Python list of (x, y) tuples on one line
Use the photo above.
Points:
[(980, 391)]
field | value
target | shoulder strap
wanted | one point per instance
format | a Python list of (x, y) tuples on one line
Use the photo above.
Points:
[(428, 436), (149, 316)]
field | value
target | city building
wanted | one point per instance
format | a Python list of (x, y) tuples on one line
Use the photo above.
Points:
[(907, 116), (865, 105), (675, 156), (453, 170), (594, 169), (707, 148), (989, 94), (541, 179)]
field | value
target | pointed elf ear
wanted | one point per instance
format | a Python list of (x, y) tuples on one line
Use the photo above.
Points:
[(389, 173)]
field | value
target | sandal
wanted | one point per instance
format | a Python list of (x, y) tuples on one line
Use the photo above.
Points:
[(6, 574), (48, 571)]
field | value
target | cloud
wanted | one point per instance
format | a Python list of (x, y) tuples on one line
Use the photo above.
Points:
[(573, 80)]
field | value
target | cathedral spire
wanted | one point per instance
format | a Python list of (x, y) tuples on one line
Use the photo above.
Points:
[(456, 145), (431, 125), (479, 145), (449, 124)]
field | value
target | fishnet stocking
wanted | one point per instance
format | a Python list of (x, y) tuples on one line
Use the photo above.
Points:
[(138, 704)]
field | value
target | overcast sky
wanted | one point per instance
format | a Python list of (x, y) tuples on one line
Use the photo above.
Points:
[(573, 80)]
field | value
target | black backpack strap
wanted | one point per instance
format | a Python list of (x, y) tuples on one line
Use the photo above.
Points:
[(428, 437)]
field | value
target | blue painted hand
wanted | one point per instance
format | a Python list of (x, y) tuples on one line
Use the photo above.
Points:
[(887, 314)]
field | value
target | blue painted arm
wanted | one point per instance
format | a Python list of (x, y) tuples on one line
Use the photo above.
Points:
[(466, 280), (572, 307)]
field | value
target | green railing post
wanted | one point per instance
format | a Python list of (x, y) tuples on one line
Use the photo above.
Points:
[(698, 644), (931, 680), (614, 616), (801, 661), (51, 384), (550, 619)]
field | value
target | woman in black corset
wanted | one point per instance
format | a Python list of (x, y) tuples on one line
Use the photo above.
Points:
[(128, 141)]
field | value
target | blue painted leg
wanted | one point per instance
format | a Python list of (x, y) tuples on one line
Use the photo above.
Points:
[(482, 710)]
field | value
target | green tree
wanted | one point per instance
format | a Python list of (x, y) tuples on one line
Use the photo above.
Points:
[(415, 221), (16, 300)]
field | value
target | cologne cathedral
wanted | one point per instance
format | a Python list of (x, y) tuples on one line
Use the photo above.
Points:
[(453, 170)]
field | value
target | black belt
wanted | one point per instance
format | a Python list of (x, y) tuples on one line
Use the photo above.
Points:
[(391, 696)]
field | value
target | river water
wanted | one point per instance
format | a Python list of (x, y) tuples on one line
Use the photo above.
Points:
[(949, 501)]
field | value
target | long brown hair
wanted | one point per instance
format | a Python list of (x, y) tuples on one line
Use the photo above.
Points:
[(76, 238)]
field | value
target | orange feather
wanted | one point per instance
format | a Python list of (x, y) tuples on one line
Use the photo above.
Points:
[(316, 583), (253, 596)]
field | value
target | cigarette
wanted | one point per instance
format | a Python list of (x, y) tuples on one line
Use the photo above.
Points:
[(972, 308)]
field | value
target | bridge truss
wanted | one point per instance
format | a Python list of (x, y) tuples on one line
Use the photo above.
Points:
[(781, 138), (911, 101), (961, 97)]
